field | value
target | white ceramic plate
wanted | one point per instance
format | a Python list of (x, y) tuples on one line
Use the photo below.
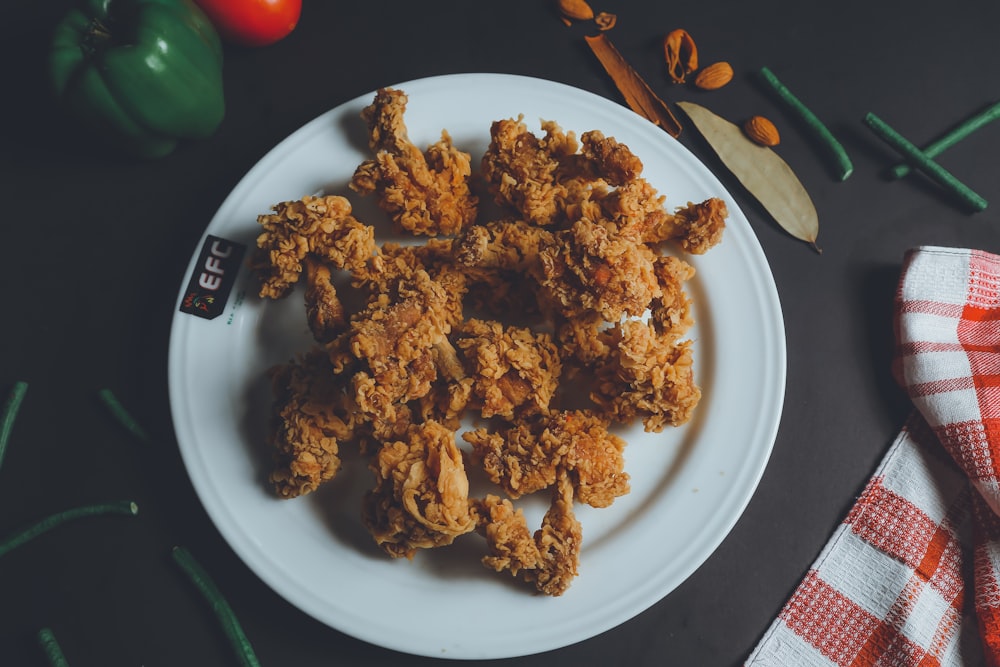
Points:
[(689, 484)]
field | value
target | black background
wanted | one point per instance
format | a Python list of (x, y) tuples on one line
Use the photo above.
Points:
[(95, 247)]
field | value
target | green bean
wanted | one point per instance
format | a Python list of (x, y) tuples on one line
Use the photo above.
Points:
[(51, 647), (919, 160), (959, 132), (17, 539), (227, 617), (122, 415), (10, 409), (843, 163)]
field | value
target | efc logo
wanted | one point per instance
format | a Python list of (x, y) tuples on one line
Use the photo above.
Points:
[(212, 278)]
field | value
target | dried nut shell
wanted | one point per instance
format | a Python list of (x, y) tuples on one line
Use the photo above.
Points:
[(578, 10), (681, 54), (761, 131), (714, 76)]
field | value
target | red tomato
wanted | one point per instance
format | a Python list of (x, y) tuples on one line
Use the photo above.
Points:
[(252, 22)]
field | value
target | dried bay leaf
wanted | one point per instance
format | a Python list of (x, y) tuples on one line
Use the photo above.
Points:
[(761, 171)]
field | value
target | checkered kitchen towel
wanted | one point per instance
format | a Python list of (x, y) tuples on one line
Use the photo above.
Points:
[(911, 575)]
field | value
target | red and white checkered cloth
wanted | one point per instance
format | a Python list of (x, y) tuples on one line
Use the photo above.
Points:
[(910, 578)]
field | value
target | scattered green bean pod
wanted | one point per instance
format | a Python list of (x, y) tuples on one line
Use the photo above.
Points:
[(11, 542), (47, 640), (10, 409), (220, 606), (123, 416), (918, 159), (837, 152), (949, 139)]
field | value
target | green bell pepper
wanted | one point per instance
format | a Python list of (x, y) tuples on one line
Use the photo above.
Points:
[(141, 73)]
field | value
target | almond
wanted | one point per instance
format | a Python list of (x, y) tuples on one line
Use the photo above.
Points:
[(714, 76), (761, 131), (578, 10)]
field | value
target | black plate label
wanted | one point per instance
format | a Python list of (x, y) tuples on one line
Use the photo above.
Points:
[(213, 277)]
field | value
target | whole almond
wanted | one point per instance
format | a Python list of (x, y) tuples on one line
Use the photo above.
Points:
[(761, 131), (578, 10), (714, 76)]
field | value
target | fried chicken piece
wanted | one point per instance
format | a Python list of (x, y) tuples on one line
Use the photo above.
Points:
[(510, 245), (321, 227), (423, 192), (499, 260), (550, 557), (324, 310), (421, 494), (632, 210), (511, 544), (529, 456), (587, 269), (401, 340), (396, 265), (696, 228), (311, 417), (521, 169), (670, 313), (446, 402), (580, 338), (603, 158), (646, 376), (514, 371), (558, 541)]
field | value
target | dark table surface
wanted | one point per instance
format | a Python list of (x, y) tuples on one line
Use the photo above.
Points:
[(98, 246)]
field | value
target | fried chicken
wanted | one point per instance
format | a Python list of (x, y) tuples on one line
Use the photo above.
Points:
[(521, 169), (554, 180), (421, 494), (401, 338), (325, 312), (646, 376), (569, 298), (531, 455), (696, 228), (319, 227), (550, 557), (507, 245), (514, 371), (670, 313), (423, 192), (587, 269), (311, 416)]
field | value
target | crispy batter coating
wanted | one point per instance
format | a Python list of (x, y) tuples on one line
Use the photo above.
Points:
[(324, 310), (558, 541), (521, 169), (514, 371), (696, 227), (511, 544), (421, 494), (646, 376), (530, 456), (587, 269), (311, 416), (401, 338), (509, 245), (550, 557), (670, 313), (321, 227), (423, 192)]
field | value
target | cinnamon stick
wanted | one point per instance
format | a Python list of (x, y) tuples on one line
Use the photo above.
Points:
[(637, 93)]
